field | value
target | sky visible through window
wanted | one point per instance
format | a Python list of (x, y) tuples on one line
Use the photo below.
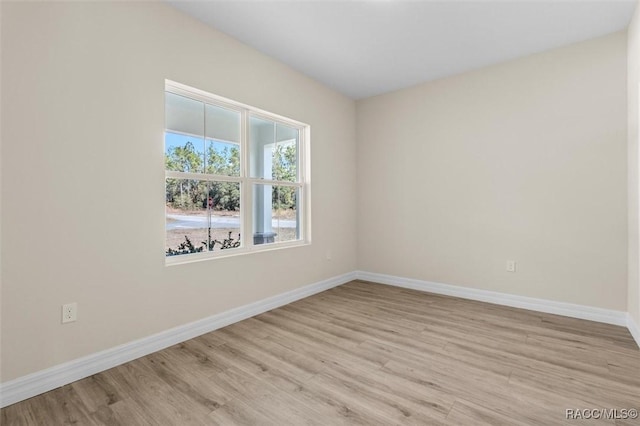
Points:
[(172, 140)]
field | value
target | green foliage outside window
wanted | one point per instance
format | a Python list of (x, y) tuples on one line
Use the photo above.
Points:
[(284, 168), (187, 194)]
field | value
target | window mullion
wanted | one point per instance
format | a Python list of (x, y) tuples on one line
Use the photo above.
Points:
[(304, 193), (171, 174), (275, 182), (246, 189)]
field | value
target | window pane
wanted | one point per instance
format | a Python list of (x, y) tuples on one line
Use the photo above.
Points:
[(262, 139), (184, 115), (184, 135), (223, 158), (183, 153), (223, 227), (285, 154), (273, 150), (186, 213), (201, 216), (222, 124), (275, 214)]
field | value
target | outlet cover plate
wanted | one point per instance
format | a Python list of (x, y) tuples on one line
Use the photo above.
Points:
[(69, 312)]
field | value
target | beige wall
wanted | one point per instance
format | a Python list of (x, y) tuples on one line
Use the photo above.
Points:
[(633, 87), (83, 172), (524, 160)]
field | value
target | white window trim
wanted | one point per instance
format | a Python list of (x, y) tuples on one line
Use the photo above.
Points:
[(246, 182)]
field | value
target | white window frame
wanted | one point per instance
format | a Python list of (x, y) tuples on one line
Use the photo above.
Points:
[(246, 181)]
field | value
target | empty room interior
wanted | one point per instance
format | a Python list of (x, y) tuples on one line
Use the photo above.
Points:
[(320, 212)]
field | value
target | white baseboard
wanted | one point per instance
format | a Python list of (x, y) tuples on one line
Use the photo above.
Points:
[(634, 329), (42, 381), (541, 305)]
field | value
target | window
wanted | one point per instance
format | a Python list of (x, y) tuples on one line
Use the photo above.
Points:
[(236, 177)]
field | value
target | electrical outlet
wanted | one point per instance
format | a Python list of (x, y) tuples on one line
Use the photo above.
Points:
[(511, 265), (69, 312)]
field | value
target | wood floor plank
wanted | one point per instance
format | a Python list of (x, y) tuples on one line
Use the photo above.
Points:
[(193, 386), (366, 312), (264, 398), (407, 407), (364, 405), (515, 356), (276, 356), (604, 393), (364, 354), (95, 392), (467, 413), (156, 398), (28, 412), (308, 327), (122, 413)]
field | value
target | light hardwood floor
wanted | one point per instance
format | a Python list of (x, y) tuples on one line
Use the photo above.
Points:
[(364, 354)]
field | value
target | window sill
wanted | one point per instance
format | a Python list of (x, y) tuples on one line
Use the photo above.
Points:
[(222, 254)]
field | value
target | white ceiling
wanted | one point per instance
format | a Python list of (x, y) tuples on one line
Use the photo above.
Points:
[(365, 48)]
